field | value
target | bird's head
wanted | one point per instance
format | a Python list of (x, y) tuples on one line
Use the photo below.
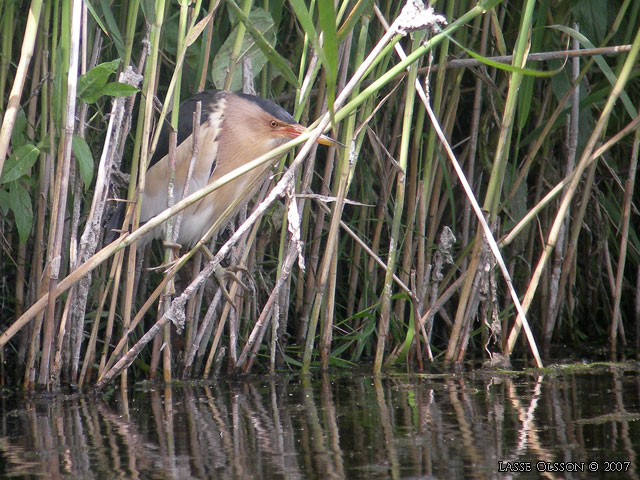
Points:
[(271, 124)]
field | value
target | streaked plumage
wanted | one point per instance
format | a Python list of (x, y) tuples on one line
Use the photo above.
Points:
[(234, 129)]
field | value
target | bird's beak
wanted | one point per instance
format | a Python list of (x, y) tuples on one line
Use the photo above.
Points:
[(294, 131)]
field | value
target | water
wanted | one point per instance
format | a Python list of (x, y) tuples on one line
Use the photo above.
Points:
[(560, 423)]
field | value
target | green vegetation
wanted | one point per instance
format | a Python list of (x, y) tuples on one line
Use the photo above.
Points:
[(489, 159)]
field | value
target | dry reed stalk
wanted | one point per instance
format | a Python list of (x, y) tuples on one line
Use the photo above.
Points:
[(585, 160), (28, 44), (60, 199), (616, 322)]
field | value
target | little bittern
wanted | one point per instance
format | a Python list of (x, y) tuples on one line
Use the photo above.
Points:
[(235, 129)]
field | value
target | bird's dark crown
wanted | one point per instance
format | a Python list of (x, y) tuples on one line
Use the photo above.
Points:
[(268, 106), (209, 99)]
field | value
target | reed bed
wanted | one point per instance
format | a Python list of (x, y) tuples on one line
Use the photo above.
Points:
[(483, 206)]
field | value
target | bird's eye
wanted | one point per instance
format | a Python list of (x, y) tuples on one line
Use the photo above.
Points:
[(274, 124)]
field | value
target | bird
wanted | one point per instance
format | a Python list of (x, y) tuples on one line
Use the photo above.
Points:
[(235, 129)]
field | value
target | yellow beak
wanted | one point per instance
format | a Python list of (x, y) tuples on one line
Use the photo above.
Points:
[(294, 131)]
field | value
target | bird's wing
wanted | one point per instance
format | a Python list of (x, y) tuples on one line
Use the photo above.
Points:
[(185, 121), (157, 177)]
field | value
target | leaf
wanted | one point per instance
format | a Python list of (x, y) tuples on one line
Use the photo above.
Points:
[(591, 15), (83, 155), (220, 65), (342, 363), (260, 20), (149, 11), (18, 137), (602, 64), (5, 202), (20, 163), (304, 17), (96, 17), (107, 23), (112, 25), (276, 8), (327, 20), (194, 33), (508, 67), (263, 44), (90, 84), (363, 7), (118, 89), (526, 86), (20, 203)]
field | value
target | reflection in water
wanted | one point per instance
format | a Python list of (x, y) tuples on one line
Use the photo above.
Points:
[(452, 426)]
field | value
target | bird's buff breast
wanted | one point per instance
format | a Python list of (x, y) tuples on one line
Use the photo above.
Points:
[(220, 206)]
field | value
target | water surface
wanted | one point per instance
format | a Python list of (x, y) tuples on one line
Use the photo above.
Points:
[(560, 423)]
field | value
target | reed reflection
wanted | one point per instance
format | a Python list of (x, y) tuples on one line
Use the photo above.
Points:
[(329, 427)]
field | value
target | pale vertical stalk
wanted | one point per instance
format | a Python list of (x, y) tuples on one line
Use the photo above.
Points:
[(213, 5), (385, 309), (132, 16), (329, 313), (145, 119), (237, 46), (169, 238), (275, 323), (167, 350), (21, 280), (28, 43), (169, 234), (473, 137), (7, 45), (432, 178), (44, 167), (345, 168), (556, 296), (494, 187), (314, 251), (624, 239), (61, 190)]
